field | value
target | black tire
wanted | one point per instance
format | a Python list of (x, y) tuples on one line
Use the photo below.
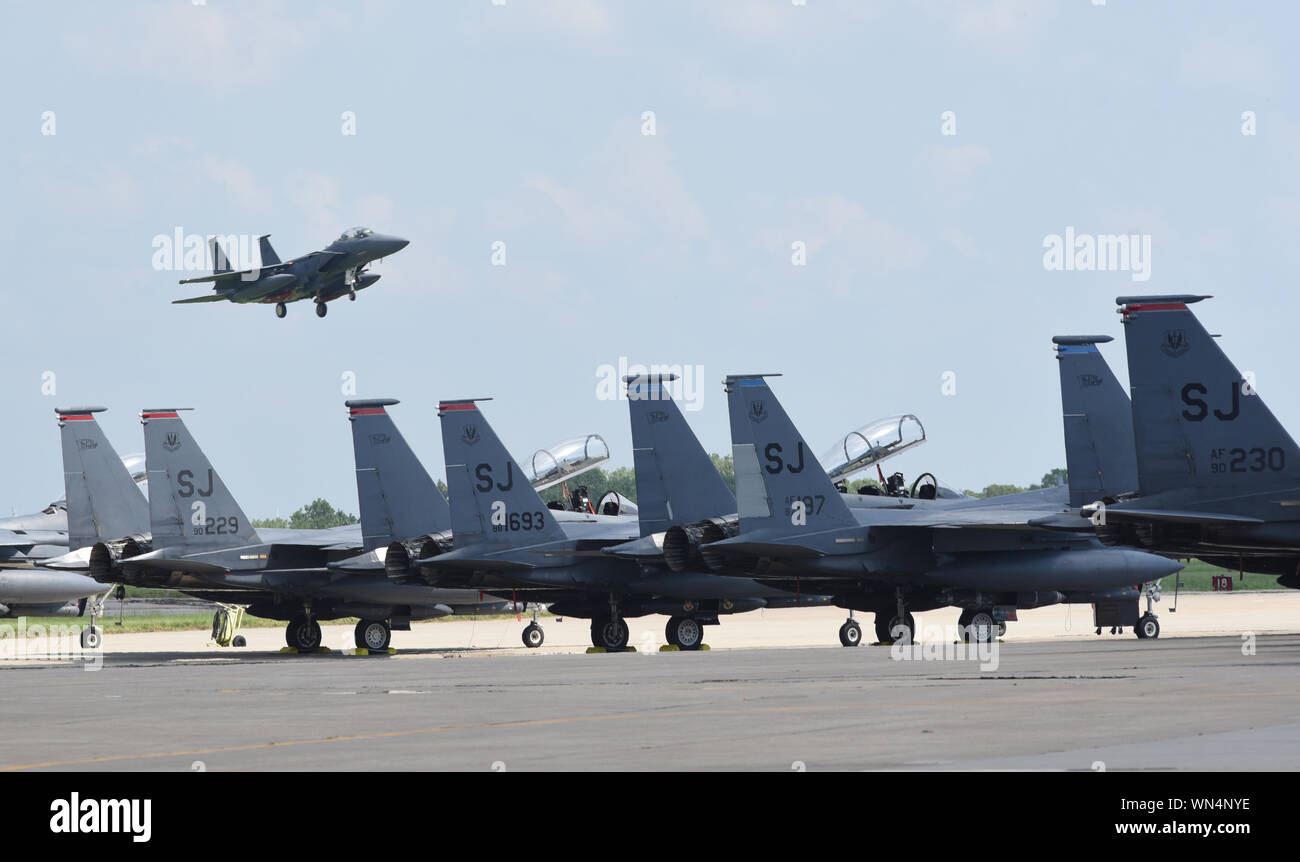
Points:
[(964, 619), (238, 641), (373, 635), (90, 637), (981, 628), (685, 633), (886, 622), (281, 309), (303, 634), (322, 309), (533, 636), (850, 633), (612, 634), (1148, 628)]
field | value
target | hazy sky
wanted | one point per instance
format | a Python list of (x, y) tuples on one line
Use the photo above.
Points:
[(523, 123)]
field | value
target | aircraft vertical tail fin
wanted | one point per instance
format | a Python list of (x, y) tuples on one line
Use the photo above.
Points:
[(491, 500), (398, 497), (1197, 422), (676, 480), (102, 498), (220, 260), (1098, 418), (267, 254), (189, 505), (779, 482)]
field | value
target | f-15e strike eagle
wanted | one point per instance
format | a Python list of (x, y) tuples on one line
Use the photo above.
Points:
[(322, 276)]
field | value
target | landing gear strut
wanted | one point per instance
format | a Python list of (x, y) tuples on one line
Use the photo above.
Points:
[(281, 309), (92, 635), (373, 635), (1148, 627)]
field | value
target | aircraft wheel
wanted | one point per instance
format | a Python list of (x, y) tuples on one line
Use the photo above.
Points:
[(684, 632), (303, 634), (238, 641), (322, 309), (981, 628), (353, 296), (609, 633), (885, 625), (374, 635), (90, 637), (281, 309), (534, 636), (850, 633), (1148, 628)]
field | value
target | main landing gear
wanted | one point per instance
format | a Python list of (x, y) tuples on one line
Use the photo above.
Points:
[(373, 635), (978, 625), (533, 634), (303, 634), (322, 309), (898, 628), (281, 309), (850, 632), (1148, 627), (609, 633), (684, 633)]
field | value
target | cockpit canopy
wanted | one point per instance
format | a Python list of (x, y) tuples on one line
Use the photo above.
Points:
[(356, 233), (872, 444), (564, 460)]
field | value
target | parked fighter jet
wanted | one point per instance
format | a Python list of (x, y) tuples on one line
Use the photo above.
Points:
[(504, 538), (1218, 475), (988, 556), (323, 276)]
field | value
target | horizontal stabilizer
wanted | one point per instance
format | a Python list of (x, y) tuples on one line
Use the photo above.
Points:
[(1126, 514), (479, 565), (211, 297), (189, 567)]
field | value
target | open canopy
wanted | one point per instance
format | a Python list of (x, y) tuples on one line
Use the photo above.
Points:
[(871, 444), (555, 464)]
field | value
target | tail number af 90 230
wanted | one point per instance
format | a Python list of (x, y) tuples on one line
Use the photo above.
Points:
[(514, 522), (1256, 460)]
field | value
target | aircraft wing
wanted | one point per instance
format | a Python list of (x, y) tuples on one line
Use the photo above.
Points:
[(211, 297), (11, 539), (222, 277)]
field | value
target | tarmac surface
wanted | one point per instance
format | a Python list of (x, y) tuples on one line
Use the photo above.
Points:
[(1217, 690)]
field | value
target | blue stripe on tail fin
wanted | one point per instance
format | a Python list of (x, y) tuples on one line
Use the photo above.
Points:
[(1098, 419), (676, 480)]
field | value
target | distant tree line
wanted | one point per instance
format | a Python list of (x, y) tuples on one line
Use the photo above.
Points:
[(320, 515)]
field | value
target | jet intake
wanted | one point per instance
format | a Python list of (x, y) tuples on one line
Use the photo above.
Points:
[(106, 557), (682, 544), (399, 560)]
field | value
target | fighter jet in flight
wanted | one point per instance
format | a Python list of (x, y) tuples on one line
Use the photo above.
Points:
[(322, 276)]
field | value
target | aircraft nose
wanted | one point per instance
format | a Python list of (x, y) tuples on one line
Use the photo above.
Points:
[(387, 245)]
